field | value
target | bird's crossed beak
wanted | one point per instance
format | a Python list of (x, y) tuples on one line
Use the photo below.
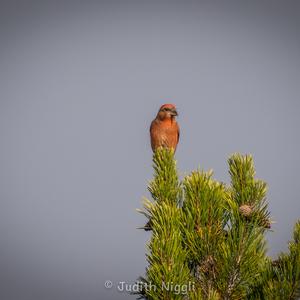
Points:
[(173, 112)]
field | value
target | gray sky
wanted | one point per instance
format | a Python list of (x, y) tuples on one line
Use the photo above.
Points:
[(80, 83)]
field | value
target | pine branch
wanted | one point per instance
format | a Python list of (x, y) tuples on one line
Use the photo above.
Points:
[(281, 277), (165, 187), (203, 227), (168, 272)]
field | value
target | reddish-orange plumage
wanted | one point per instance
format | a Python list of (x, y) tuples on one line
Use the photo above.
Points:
[(164, 130)]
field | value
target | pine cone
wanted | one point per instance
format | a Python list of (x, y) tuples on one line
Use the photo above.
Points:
[(245, 210), (148, 226), (266, 223), (276, 262), (207, 264)]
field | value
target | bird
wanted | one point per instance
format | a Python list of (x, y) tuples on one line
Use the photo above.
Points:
[(164, 129)]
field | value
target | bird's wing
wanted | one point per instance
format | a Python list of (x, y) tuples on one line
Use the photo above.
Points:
[(178, 132), (152, 127), (153, 133)]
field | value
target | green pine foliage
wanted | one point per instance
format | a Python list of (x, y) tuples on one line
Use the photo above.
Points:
[(208, 238), (280, 279)]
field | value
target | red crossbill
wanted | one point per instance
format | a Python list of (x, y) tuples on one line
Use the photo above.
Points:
[(164, 130)]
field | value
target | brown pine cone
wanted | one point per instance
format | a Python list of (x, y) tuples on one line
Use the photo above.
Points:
[(245, 210)]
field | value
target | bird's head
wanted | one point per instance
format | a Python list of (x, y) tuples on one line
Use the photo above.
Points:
[(167, 111)]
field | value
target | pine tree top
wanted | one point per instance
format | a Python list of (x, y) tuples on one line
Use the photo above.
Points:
[(208, 238)]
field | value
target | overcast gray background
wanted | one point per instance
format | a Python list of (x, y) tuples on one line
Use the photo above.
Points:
[(80, 83)]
